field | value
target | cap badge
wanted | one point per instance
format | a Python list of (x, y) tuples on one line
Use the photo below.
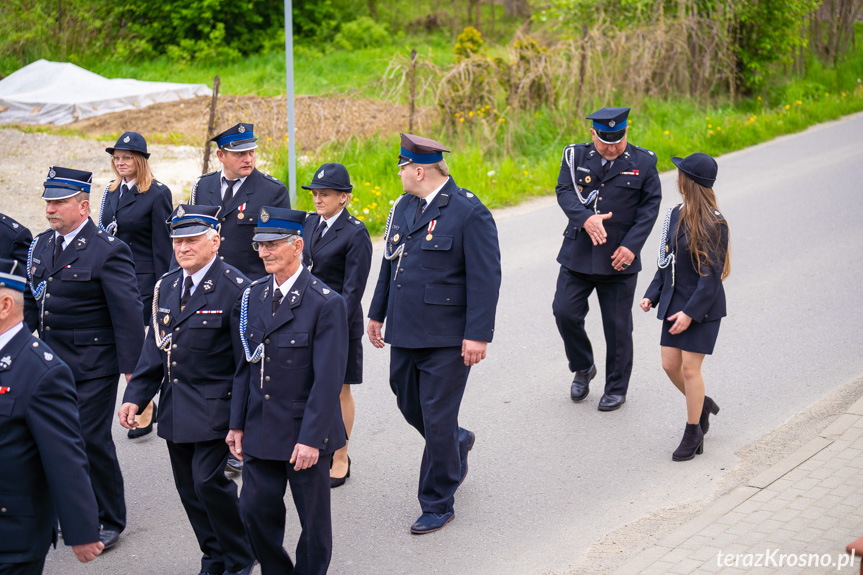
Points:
[(52, 174), (181, 212), (265, 215), (126, 140), (320, 175), (611, 123), (48, 356), (241, 129)]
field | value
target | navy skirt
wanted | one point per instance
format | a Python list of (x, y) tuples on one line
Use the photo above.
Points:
[(698, 338)]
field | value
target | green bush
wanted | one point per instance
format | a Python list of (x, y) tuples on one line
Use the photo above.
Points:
[(362, 33)]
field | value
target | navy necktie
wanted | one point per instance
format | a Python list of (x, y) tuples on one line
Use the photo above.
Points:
[(421, 207), (58, 249), (187, 291), (229, 191), (277, 299)]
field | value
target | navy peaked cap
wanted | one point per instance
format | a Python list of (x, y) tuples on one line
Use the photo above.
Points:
[(331, 176), (187, 221), (278, 223), (63, 183), (419, 150), (610, 124), (12, 275), (698, 166), (238, 138), (132, 141)]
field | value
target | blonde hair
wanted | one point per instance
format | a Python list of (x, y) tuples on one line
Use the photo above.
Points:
[(143, 174)]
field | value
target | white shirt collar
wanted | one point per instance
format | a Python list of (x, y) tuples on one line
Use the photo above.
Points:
[(333, 219), (285, 288), (7, 335), (223, 179), (129, 184), (68, 238), (432, 195), (198, 276)]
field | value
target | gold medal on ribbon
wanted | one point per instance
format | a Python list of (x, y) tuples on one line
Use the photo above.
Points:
[(429, 237), (241, 215)]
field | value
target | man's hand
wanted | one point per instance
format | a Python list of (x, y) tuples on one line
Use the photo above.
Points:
[(596, 229), (375, 334), (234, 440), (681, 323), (473, 351), (622, 258), (127, 414), (646, 304), (89, 551), (304, 456)]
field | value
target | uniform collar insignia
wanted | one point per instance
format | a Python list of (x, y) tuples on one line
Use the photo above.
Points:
[(208, 285), (176, 281), (6, 362), (294, 295), (266, 292), (82, 242)]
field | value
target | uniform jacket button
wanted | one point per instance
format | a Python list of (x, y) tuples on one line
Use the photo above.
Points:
[(268, 360), (326, 439), (176, 381), (267, 378), (174, 346), (74, 275), (399, 286), (267, 397), (50, 279), (173, 364), (293, 342), (409, 237), (48, 328), (267, 341)]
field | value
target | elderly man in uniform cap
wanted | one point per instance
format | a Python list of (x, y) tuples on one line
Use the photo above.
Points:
[(190, 354), (39, 431), (285, 416), (15, 240), (241, 190), (84, 282), (610, 191), (438, 289)]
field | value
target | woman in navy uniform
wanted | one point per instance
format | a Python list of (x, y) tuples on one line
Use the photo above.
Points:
[(339, 253), (687, 292), (135, 208)]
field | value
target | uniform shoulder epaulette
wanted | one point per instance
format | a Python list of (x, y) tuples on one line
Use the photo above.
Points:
[(259, 281), (468, 194), (160, 184), (322, 288), (238, 279), (171, 272), (106, 237), (644, 150), (354, 221), (208, 174), (10, 222), (42, 233), (43, 353), (273, 179)]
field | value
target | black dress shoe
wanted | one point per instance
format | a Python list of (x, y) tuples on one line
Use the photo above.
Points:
[(708, 408), (581, 384), (234, 465), (431, 522), (611, 402), (142, 431), (339, 481), (691, 444), (470, 439), (247, 570), (109, 538)]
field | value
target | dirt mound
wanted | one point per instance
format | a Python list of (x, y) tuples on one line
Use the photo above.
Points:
[(318, 119)]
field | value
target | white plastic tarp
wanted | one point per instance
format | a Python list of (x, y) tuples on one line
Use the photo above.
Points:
[(58, 93)]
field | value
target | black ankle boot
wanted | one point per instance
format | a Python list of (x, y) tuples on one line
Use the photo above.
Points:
[(708, 408), (692, 443)]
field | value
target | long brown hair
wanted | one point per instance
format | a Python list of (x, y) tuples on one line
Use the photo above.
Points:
[(703, 226), (143, 173)]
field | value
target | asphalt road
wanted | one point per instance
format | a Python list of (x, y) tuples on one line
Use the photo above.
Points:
[(549, 477)]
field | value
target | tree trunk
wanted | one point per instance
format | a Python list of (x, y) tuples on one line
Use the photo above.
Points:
[(509, 8), (373, 9)]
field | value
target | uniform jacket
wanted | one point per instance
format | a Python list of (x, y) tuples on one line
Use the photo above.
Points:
[(47, 474), (296, 399), (15, 240), (195, 402), (448, 279), (91, 315), (238, 225), (631, 191), (700, 297), (341, 259), (141, 224)]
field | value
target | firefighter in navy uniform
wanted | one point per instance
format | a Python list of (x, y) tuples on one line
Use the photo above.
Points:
[(438, 290), (241, 190), (610, 191), (190, 354), (84, 282), (15, 240)]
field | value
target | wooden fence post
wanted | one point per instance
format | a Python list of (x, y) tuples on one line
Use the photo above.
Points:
[(211, 125)]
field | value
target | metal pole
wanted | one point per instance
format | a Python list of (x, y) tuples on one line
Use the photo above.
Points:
[(289, 74)]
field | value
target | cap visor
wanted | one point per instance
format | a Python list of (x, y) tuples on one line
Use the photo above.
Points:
[(404, 161), (240, 147), (189, 231), (610, 137), (60, 193), (270, 237)]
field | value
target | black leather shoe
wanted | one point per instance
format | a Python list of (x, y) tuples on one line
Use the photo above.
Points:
[(247, 570), (142, 431), (339, 481), (611, 402), (234, 465), (691, 444), (109, 538), (708, 408), (469, 438), (581, 384), (430, 522)]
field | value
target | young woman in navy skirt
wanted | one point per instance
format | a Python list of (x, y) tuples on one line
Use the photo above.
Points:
[(688, 294)]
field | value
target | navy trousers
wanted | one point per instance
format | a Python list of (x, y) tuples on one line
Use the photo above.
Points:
[(262, 507), (31, 568), (616, 295), (429, 384), (211, 503), (97, 398)]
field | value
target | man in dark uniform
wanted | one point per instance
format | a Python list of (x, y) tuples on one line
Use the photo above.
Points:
[(241, 190), (15, 240), (610, 192), (285, 416), (191, 353), (438, 288), (84, 282), (39, 431)]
